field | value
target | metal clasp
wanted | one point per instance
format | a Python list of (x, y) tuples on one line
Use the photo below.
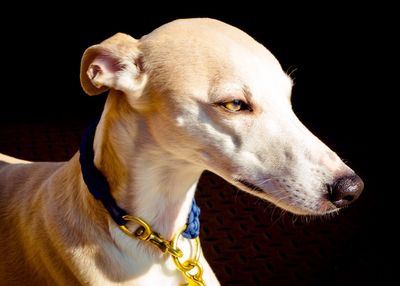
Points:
[(145, 233), (191, 267)]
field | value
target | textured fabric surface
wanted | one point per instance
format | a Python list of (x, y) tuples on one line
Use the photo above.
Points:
[(247, 241)]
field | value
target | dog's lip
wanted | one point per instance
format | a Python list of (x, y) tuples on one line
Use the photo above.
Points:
[(249, 185), (324, 208)]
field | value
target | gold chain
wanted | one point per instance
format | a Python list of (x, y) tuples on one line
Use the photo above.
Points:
[(191, 267)]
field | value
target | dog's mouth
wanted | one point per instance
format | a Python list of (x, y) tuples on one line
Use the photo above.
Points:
[(290, 202), (250, 186)]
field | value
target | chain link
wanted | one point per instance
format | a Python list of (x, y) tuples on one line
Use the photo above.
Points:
[(191, 267)]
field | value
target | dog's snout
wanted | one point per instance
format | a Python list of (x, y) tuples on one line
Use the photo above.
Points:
[(345, 190)]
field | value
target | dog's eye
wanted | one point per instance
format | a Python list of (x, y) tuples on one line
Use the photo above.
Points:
[(235, 105)]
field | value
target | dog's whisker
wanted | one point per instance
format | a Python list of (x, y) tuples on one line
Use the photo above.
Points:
[(290, 71)]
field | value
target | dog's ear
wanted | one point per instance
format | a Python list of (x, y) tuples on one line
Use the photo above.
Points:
[(115, 63)]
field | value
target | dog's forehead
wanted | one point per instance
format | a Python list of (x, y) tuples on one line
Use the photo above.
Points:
[(202, 51), (200, 38)]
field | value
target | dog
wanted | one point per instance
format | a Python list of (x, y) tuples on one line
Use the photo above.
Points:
[(193, 95)]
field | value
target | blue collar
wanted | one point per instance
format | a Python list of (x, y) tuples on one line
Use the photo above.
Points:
[(99, 188)]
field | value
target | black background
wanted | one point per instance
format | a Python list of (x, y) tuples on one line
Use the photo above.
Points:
[(340, 57)]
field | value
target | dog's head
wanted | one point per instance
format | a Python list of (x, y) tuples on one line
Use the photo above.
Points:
[(214, 97)]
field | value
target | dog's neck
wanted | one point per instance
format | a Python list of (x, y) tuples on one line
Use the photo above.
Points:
[(145, 180)]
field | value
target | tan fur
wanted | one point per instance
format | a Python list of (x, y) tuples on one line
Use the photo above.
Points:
[(163, 124)]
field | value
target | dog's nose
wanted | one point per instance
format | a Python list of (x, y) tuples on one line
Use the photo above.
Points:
[(345, 190)]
